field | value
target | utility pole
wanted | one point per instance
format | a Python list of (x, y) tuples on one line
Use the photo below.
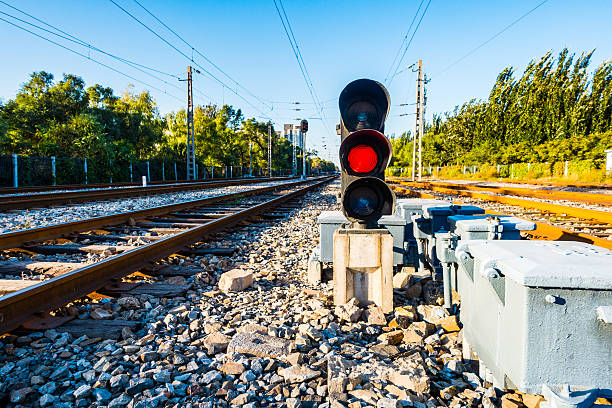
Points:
[(293, 143), (191, 172), (421, 125), (303, 142), (417, 123), (269, 149), (250, 158)]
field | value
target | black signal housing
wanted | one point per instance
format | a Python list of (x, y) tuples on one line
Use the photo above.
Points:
[(365, 153)]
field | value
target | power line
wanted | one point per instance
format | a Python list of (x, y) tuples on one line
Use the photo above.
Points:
[(490, 39), (200, 54), (89, 58), (399, 64), (300, 60), (403, 41), (78, 41), (187, 57)]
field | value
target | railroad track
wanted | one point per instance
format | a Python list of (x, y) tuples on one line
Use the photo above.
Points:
[(554, 221), (40, 199), (123, 244), (59, 187)]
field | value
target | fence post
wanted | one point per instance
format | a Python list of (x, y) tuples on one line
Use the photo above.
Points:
[(85, 168), (566, 169), (148, 172), (15, 171), (53, 170), (175, 173), (131, 174), (163, 172)]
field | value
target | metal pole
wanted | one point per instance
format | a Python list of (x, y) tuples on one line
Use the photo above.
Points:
[(416, 125), (421, 124), (53, 170), (15, 171), (163, 172), (212, 172), (191, 165), (131, 174), (269, 149), (175, 173), (231, 171), (294, 161), (303, 137), (85, 168), (148, 172), (250, 159)]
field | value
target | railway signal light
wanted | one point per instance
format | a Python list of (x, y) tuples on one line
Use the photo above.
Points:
[(365, 152)]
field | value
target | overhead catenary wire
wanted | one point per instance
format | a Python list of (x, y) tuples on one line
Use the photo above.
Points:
[(201, 54), (210, 74), (89, 58), (302, 65), (494, 36), (76, 40), (399, 50), (399, 64)]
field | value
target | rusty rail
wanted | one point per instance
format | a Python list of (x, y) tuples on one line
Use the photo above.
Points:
[(543, 231), (589, 198), (21, 306), (19, 238), (45, 199), (565, 210)]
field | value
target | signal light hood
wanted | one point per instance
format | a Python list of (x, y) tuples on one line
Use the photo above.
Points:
[(364, 104)]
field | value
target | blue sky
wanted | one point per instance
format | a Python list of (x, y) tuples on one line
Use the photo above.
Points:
[(340, 41)]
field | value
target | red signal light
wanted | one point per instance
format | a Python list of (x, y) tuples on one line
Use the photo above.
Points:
[(362, 159)]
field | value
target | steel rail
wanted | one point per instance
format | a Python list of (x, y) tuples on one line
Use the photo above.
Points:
[(589, 198), (45, 199), (603, 186), (565, 210), (19, 238), (34, 189), (543, 231), (22, 305)]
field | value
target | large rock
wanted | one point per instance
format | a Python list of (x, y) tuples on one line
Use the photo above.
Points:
[(350, 311), (375, 316), (259, 345), (298, 374), (417, 332), (235, 280), (216, 342)]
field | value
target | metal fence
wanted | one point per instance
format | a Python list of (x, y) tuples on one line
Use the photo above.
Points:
[(563, 169), (16, 171)]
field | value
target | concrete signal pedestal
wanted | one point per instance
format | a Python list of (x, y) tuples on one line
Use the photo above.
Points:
[(363, 267)]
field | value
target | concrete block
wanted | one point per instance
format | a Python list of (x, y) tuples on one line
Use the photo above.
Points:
[(363, 267), (315, 269), (235, 280)]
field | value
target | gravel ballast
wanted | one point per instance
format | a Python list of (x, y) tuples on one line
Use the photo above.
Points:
[(269, 340)]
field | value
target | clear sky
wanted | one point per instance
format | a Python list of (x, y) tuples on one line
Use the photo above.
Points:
[(340, 41)]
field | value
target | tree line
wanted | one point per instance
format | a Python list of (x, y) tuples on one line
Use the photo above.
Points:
[(555, 111), (67, 119)]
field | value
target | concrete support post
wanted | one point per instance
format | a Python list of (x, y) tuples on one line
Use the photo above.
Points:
[(175, 173), (53, 171), (195, 175), (363, 267), (566, 169), (212, 172), (15, 171), (131, 174), (163, 172), (144, 181), (148, 172), (85, 169), (231, 171)]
